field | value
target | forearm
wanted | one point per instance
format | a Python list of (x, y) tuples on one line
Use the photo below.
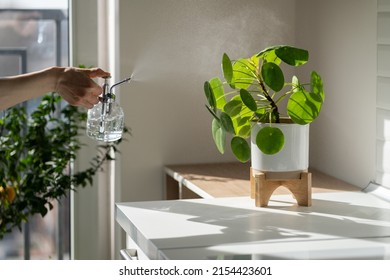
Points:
[(16, 89), (75, 85)]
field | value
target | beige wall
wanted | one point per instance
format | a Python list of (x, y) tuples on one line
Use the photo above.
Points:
[(173, 46)]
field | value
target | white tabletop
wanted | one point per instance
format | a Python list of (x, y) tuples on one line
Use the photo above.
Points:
[(338, 225)]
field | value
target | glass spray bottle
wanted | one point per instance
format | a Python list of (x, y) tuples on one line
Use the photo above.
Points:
[(106, 119)]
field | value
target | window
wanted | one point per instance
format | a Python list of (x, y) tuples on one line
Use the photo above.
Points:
[(33, 36), (383, 94)]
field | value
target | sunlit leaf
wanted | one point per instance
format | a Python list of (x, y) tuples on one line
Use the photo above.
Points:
[(303, 107), (242, 124), (218, 92), (244, 120), (243, 71), (233, 107), (317, 86), (244, 131), (267, 51), (254, 61), (292, 56)]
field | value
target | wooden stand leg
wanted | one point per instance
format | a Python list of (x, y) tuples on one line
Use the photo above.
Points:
[(253, 185), (300, 188)]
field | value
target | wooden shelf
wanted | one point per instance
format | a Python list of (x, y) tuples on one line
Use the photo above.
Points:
[(214, 180)]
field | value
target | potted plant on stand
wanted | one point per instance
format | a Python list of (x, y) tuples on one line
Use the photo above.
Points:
[(248, 104)]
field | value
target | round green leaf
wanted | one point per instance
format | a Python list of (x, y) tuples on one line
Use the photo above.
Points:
[(317, 86), (218, 92), (244, 120), (233, 107), (303, 107), (248, 100), (242, 126), (273, 76), (270, 140), (227, 69), (240, 148), (254, 61), (244, 131), (227, 123), (209, 95), (292, 56), (266, 51), (244, 70), (219, 135)]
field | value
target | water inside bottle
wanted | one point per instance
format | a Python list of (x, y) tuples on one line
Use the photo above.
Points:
[(108, 128)]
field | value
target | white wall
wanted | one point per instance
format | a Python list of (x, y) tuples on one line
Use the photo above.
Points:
[(173, 46), (179, 45), (341, 38)]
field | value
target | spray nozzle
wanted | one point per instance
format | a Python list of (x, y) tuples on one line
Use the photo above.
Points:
[(105, 122), (127, 80), (108, 93)]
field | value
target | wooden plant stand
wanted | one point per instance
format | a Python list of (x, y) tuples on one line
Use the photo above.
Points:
[(263, 187)]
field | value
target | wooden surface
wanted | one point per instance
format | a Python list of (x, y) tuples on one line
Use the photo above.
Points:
[(231, 179), (300, 188)]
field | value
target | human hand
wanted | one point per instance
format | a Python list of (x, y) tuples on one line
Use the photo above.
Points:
[(76, 86)]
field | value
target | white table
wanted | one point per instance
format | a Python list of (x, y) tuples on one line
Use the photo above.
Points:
[(339, 225)]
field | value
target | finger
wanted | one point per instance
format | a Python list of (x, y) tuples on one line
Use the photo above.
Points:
[(87, 104), (90, 99), (93, 100), (95, 90), (96, 72)]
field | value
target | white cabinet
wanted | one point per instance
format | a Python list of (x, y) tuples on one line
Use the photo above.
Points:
[(339, 225)]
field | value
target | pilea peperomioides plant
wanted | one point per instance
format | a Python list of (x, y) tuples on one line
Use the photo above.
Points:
[(253, 91)]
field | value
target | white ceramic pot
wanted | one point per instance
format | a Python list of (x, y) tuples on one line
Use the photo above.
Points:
[(293, 157)]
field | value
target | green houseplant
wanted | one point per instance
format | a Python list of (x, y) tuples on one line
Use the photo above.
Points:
[(252, 91), (35, 152)]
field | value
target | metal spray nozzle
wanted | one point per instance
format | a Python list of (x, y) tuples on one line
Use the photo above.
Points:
[(105, 123)]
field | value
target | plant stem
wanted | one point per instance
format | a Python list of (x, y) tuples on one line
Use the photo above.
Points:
[(282, 96), (274, 107)]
